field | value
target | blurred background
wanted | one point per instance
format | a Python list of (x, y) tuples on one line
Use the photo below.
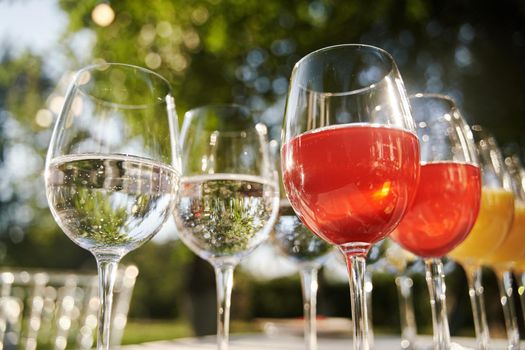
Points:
[(240, 51)]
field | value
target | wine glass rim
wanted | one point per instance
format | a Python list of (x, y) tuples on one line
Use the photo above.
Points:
[(219, 105), (435, 96), (258, 129), (98, 66), (356, 46)]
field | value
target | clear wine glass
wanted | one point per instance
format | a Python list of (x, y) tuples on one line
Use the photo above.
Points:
[(305, 250), (350, 155), (447, 200), (229, 197), (308, 252), (112, 168), (491, 229)]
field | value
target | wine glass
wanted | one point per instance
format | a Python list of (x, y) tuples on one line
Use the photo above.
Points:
[(490, 230), (350, 156), (448, 197), (229, 197), (506, 256), (515, 248), (112, 168), (308, 252), (294, 241)]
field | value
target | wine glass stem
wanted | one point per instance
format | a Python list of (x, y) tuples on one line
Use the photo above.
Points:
[(356, 264), (309, 288), (107, 273), (406, 311), (435, 278), (369, 287), (506, 292), (520, 278), (475, 287), (224, 278)]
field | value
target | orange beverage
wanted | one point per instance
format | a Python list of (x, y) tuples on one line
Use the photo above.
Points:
[(513, 248), (491, 228), (519, 266)]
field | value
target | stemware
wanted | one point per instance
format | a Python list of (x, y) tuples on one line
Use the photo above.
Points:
[(112, 168), (515, 248), (308, 252), (448, 197), (506, 257), (350, 156), (490, 230), (229, 197), (305, 250)]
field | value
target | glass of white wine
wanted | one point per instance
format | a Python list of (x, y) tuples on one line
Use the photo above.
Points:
[(229, 197), (113, 167)]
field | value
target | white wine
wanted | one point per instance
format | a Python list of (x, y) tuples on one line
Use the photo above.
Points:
[(225, 216), (110, 203), (295, 241)]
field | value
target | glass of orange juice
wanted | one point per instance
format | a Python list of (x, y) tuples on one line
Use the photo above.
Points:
[(511, 254), (491, 228)]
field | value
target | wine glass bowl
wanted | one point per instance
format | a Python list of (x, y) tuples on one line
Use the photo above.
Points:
[(448, 192), (99, 104), (227, 200), (110, 205), (112, 167), (350, 156), (502, 197), (378, 151), (296, 242)]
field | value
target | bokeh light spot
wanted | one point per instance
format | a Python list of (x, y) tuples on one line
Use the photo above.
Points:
[(103, 15), (153, 60), (44, 118)]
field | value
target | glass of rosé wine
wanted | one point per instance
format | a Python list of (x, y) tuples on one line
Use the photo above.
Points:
[(448, 197), (350, 155)]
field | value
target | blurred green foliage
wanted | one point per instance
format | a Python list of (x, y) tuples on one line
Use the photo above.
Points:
[(243, 51)]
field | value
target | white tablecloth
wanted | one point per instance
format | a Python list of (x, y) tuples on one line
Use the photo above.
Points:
[(264, 342)]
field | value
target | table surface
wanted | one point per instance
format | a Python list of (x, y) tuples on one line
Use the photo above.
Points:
[(264, 342)]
